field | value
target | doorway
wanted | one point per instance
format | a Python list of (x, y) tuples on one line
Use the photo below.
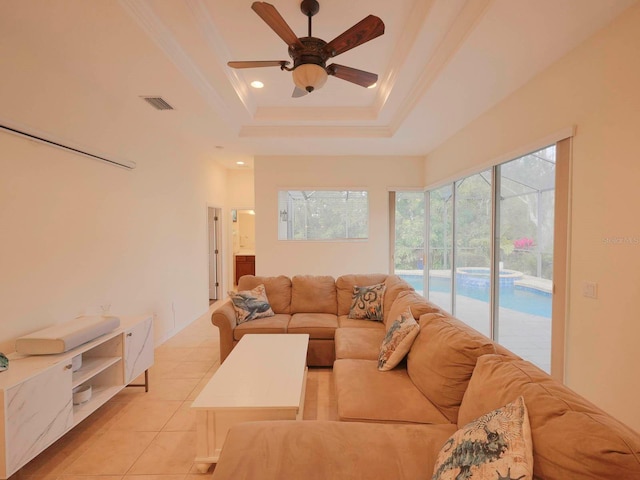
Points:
[(243, 232), (213, 230)]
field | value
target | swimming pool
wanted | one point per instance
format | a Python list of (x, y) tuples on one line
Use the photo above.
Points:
[(521, 299)]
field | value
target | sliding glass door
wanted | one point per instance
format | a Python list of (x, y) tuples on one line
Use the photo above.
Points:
[(490, 251), (472, 256), (409, 237), (526, 232), (440, 254)]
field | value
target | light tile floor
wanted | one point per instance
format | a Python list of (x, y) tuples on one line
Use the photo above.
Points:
[(151, 436)]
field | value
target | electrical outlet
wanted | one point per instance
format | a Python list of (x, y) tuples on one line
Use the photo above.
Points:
[(590, 289)]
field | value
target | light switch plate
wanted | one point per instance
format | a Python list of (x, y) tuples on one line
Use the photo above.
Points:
[(590, 289)]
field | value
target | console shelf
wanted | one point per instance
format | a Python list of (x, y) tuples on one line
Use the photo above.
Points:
[(92, 366), (99, 396)]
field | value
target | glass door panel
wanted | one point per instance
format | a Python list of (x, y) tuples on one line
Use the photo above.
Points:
[(526, 213), (440, 246), (472, 261), (409, 238)]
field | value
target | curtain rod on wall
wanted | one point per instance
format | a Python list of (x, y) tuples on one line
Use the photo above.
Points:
[(120, 163)]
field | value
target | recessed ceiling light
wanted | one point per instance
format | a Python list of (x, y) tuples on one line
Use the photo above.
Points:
[(257, 84), (239, 163), (373, 86)]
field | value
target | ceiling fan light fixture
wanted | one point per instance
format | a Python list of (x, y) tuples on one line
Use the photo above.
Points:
[(309, 77)]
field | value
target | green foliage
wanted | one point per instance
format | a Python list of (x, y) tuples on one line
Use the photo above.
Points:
[(410, 218), (526, 212), (327, 215)]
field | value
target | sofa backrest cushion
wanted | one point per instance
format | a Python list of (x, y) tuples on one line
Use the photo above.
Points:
[(345, 284), (395, 285), (409, 298), (442, 359), (313, 294), (278, 290), (572, 438)]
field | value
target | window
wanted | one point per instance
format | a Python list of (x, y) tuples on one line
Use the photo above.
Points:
[(408, 240), (323, 215), (494, 268), (440, 256)]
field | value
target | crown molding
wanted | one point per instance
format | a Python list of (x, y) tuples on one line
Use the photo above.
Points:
[(299, 131), (315, 114), (417, 18), (463, 25), (143, 13), (221, 54)]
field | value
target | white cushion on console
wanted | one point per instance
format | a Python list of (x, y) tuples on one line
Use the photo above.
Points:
[(67, 335)]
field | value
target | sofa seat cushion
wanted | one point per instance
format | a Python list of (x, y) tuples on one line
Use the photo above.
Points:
[(278, 290), (345, 322), (313, 294), (320, 450), (345, 284), (359, 343), (442, 359), (317, 325), (365, 394), (572, 438), (276, 324)]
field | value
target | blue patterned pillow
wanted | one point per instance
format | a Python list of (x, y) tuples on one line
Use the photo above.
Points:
[(495, 446), (251, 304), (367, 302)]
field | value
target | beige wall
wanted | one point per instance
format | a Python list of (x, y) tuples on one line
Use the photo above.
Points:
[(375, 174), (77, 233), (594, 88), (240, 193)]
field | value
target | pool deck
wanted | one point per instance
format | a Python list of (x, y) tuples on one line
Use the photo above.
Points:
[(527, 335)]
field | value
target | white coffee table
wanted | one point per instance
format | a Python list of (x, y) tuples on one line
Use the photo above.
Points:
[(263, 378)]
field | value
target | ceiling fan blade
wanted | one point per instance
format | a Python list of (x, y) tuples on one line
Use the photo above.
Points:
[(271, 17), (353, 75), (298, 92), (258, 64), (367, 29)]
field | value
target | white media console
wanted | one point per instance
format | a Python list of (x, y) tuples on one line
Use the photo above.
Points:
[(36, 406)]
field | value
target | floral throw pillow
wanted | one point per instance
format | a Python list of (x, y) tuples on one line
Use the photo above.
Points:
[(496, 446), (367, 302), (251, 304), (398, 340)]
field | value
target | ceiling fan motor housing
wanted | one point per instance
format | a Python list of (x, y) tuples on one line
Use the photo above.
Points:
[(311, 53)]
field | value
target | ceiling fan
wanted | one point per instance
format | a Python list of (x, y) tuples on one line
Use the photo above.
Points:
[(310, 54)]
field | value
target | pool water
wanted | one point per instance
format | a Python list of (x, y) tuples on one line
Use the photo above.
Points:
[(516, 298)]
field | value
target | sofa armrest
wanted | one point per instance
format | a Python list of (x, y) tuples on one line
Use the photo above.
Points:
[(224, 318)]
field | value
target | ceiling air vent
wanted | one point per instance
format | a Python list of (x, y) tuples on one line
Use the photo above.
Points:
[(158, 103)]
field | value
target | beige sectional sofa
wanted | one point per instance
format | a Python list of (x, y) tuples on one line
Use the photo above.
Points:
[(317, 305), (393, 424)]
